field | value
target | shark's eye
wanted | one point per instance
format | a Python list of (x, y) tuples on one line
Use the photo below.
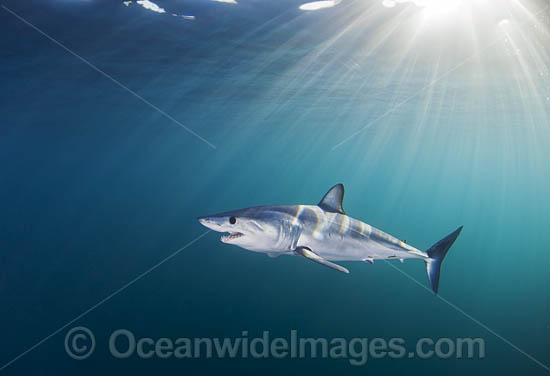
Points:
[(232, 220)]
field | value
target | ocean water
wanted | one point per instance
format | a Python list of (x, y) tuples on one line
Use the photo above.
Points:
[(120, 125)]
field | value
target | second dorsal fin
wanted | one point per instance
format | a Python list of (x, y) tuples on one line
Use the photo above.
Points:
[(332, 200)]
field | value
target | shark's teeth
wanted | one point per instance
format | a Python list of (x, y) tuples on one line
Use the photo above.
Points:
[(231, 236)]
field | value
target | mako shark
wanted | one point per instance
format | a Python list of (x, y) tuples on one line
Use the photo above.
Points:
[(321, 233)]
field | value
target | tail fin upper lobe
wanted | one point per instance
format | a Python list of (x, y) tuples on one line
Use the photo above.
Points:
[(436, 253)]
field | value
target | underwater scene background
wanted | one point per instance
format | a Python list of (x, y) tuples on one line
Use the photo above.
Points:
[(122, 123)]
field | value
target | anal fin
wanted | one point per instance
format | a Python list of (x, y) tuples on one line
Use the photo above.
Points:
[(310, 255)]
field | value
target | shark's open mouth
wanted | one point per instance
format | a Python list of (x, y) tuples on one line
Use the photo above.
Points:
[(231, 236)]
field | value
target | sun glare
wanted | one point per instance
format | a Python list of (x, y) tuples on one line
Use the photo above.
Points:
[(429, 4), (440, 7), (429, 8), (468, 56)]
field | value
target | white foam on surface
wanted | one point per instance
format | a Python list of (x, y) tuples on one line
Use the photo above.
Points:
[(151, 6), (316, 5), (226, 1)]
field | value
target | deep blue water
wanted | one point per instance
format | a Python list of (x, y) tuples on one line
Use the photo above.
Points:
[(97, 186)]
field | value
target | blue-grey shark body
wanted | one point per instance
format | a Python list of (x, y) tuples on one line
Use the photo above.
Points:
[(322, 233)]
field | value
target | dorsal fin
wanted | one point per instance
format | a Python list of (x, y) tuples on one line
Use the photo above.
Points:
[(332, 201)]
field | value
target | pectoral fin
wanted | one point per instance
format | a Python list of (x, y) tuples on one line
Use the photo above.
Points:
[(310, 255)]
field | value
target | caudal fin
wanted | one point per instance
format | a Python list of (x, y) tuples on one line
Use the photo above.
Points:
[(436, 253)]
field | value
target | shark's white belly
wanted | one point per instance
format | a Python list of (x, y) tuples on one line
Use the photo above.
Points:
[(352, 250), (342, 248)]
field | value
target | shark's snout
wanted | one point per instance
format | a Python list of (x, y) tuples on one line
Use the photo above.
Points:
[(209, 223)]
